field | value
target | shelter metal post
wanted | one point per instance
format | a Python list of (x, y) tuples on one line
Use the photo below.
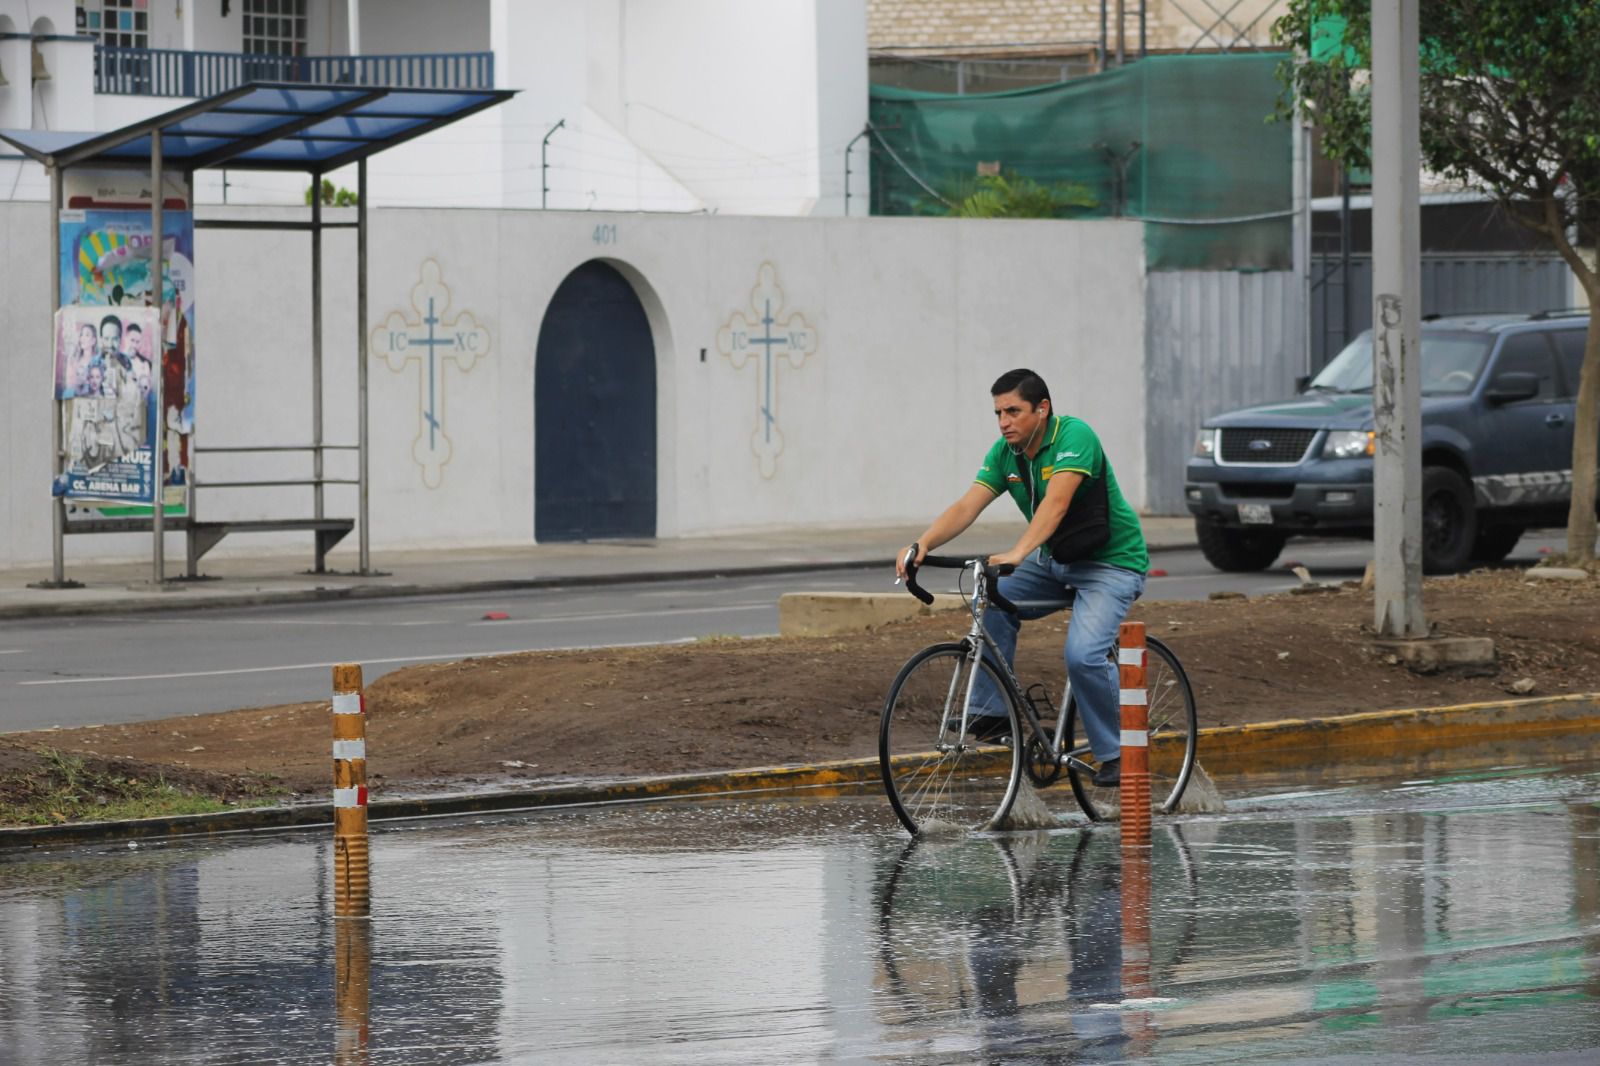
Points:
[(157, 292), (190, 496), (58, 504), (316, 351), (361, 369)]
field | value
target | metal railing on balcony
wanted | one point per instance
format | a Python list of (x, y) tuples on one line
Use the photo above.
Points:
[(172, 72)]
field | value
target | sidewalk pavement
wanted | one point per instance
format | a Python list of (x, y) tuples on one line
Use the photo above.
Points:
[(281, 577)]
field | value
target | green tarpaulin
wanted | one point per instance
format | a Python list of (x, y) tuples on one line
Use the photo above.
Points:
[(1184, 143)]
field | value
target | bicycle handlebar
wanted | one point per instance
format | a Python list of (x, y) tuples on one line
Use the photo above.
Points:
[(991, 575)]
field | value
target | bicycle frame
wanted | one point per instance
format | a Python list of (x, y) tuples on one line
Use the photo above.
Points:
[(976, 641)]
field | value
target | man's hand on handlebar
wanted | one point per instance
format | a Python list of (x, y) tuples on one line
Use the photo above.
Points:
[(915, 552), (1011, 558)]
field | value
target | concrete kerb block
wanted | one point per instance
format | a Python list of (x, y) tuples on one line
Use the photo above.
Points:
[(1557, 573), (826, 614), (1471, 656)]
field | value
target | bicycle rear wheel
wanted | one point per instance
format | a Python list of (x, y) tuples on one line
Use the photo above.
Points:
[(1172, 739), (938, 781)]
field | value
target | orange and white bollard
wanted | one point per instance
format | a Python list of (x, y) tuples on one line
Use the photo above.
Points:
[(1137, 977), (1135, 791), (352, 886)]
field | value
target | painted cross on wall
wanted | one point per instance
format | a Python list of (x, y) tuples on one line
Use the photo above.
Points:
[(772, 333), (431, 339)]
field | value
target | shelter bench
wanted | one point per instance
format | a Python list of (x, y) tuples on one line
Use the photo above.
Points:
[(201, 537)]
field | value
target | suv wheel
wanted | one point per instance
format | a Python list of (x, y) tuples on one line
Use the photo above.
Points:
[(1494, 543), (1238, 550), (1449, 521)]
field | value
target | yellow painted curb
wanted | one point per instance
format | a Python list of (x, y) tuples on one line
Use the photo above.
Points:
[(1263, 746), (1291, 743)]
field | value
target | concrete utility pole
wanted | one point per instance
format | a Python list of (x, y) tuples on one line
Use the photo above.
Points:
[(1396, 321)]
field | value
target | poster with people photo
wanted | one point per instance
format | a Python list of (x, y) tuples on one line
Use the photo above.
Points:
[(104, 365), (105, 264)]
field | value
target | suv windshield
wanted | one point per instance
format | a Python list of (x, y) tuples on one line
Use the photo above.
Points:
[(1450, 363)]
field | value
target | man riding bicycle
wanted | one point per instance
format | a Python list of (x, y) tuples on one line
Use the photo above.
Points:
[(1081, 536)]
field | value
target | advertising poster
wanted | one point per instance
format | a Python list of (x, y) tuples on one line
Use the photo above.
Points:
[(104, 364), (106, 266)]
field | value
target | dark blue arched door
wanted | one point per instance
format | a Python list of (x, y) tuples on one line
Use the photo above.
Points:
[(594, 412)]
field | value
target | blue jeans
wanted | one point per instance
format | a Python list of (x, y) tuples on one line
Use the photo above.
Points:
[(1039, 588)]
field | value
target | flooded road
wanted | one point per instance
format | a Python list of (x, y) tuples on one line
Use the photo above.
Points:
[(1449, 919)]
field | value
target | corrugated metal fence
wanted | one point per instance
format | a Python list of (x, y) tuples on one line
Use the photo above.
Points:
[(1213, 341), (1451, 284)]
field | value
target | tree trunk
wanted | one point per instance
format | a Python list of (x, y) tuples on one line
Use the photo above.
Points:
[(1581, 522)]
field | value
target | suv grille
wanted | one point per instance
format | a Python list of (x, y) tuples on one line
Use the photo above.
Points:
[(1283, 446)]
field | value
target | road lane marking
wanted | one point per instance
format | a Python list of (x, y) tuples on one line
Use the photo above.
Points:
[(445, 657), (13, 651), (281, 622), (543, 620)]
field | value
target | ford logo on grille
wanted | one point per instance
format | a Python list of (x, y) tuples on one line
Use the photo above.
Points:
[(1261, 445)]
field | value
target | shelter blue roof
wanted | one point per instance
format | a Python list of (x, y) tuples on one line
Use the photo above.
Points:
[(266, 126)]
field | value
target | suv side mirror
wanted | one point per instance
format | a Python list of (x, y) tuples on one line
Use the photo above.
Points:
[(1511, 386), (1301, 382)]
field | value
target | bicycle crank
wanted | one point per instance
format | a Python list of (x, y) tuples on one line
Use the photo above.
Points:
[(1044, 769)]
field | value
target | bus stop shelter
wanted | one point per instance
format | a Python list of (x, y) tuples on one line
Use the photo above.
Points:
[(314, 129)]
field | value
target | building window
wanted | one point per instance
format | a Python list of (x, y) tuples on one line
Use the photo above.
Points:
[(122, 23), (275, 27)]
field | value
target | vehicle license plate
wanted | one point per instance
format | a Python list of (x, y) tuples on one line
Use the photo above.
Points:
[(1255, 514)]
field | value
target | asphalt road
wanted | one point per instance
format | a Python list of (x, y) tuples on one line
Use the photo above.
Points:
[(123, 668)]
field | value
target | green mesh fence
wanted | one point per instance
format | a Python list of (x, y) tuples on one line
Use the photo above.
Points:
[(1182, 142)]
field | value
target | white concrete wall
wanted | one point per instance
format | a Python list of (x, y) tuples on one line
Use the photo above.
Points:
[(886, 422)]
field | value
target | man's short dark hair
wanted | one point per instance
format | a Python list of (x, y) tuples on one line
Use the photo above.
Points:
[(114, 320), (1026, 383)]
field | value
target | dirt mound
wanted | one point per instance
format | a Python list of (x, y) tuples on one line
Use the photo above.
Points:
[(725, 703)]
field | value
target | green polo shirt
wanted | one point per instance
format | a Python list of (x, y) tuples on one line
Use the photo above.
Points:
[(1069, 445)]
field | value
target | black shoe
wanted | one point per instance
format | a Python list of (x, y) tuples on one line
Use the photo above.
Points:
[(985, 728), (1109, 775)]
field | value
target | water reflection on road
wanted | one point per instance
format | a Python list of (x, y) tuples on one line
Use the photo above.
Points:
[(1459, 917)]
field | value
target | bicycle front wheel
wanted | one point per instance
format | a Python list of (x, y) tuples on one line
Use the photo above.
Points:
[(938, 780), (1172, 739)]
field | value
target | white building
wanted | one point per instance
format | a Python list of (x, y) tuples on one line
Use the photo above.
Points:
[(624, 105)]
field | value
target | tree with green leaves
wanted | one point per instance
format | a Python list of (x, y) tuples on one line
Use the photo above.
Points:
[(1510, 106), (333, 196)]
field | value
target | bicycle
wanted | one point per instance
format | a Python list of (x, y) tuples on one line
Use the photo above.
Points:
[(938, 780)]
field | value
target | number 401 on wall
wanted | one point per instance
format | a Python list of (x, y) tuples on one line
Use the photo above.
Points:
[(606, 234)]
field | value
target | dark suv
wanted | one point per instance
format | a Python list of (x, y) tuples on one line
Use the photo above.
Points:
[(1497, 413)]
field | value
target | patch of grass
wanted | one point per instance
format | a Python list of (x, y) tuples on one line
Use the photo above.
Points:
[(66, 789)]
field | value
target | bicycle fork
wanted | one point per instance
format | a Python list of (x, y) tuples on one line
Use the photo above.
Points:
[(966, 702)]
